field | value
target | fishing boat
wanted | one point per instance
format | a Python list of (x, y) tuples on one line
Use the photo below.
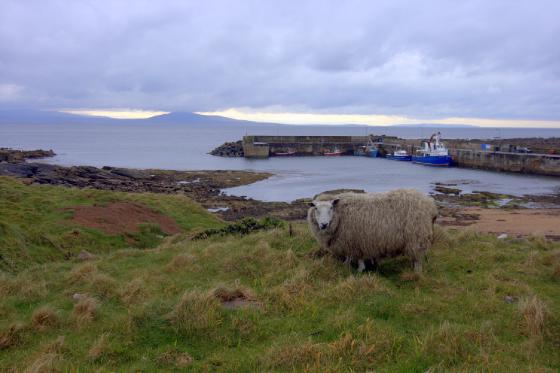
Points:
[(334, 153), (286, 153), (400, 155), (371, 152), (366, 151), (433, 153)]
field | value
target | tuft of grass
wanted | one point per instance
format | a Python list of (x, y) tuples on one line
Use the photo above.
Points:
[(229, 293), (11, 336), (44, 317), (556, 272), (133, 292), (85, 311), (174, 358), (100, 347), (179, 262), (534, 315), (196, 312)]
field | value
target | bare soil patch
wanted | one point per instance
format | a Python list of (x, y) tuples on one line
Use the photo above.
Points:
[(517, 222), (122, 218)]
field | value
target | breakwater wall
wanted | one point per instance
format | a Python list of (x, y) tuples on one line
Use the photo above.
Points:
[(464, 154), (266, 146), (539, 164)]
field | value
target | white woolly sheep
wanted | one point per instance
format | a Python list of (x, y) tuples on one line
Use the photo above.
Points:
[(372, 226)]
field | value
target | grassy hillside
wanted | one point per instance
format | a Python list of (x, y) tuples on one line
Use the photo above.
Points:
[(267, 302), (36, 222)]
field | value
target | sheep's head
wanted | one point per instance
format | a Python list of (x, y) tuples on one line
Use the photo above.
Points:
[(323, 212)]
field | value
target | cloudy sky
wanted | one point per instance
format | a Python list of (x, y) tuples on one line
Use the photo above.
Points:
[(382, 61)]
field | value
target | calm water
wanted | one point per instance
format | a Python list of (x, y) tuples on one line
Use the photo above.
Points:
[(185, 148)]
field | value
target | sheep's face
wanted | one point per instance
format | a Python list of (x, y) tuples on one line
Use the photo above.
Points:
[(324, 213)]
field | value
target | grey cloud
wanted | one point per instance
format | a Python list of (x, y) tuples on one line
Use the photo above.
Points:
[(431, 58)]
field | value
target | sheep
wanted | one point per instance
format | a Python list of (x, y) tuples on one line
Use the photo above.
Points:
[(372, 226)]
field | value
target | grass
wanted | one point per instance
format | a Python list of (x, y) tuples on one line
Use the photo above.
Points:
[(482, 304), (36, 226)]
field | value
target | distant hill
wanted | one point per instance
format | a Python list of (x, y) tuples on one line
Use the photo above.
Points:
[(432, 125), (18, 116), (25, 116)]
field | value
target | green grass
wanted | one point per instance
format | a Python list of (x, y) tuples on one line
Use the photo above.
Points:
[(35, 222), (482, 304)]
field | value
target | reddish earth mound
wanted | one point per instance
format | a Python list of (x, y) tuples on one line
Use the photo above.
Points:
[(121, 217)]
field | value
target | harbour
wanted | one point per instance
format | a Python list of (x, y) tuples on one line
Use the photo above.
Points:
[(492, 155)]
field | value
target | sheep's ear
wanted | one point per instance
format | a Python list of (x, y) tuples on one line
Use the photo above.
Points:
[(311, 203), (335, 202)]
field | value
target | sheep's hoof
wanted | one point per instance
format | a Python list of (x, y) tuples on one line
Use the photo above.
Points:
[(361, 265)]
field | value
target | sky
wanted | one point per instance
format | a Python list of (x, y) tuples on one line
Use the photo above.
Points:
[(491, 63)]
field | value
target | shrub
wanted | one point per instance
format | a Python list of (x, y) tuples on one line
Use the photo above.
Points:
[(243, 227)]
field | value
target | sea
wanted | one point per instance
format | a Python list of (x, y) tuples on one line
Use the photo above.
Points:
[(186, 147)]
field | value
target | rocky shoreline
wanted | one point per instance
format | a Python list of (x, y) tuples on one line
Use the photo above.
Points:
[(202, 186), (18, 156)]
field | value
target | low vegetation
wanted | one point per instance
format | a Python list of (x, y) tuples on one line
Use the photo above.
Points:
[(37, 226), (265, 301)]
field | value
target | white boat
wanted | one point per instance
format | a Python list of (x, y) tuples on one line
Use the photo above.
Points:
[(433, 153)]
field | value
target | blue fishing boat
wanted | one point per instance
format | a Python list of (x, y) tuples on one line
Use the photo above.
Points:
[(371, 152), (366, 151), (433, 153), (400, 155)]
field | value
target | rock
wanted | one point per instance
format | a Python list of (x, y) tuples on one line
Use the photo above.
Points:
[(229, 149), (128, 172), (447, 190), (509, 299), (502, 236), (79, 296), (86, 255)]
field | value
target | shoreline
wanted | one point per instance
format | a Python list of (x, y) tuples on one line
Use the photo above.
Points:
[(482, 211)]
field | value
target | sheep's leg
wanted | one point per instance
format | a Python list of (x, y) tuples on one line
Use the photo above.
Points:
[(361, 265), (417, 264), (348, 261)]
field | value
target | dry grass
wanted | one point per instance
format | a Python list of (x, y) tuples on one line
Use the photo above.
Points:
[(44, 363), (179, 262), (133, 291), (447, 343), (22, 286), (100, 347), (46, 360), (85, 311), (44, 317), (357, 285), (82, 272), (556, 272), (102, 284), (355, 351), (196, 312), (534, 314), (175, 358), (11, 336), (230, 293)]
